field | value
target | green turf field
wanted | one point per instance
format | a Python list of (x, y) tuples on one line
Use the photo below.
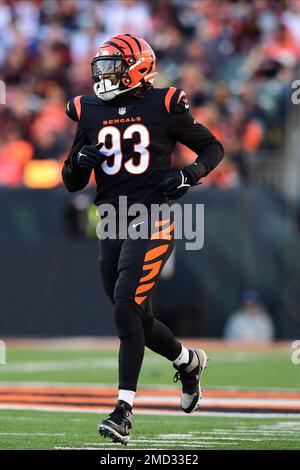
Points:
[(22, 429), (269, 369), (41, 430)]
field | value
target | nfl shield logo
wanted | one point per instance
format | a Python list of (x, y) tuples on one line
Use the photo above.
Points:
[(122, 111)]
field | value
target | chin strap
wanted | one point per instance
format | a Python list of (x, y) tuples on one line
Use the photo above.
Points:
[(111, 94)]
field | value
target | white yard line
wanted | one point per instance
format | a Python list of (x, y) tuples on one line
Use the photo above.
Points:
[(169, 438), (194, 441), (82, 448), (286, 424), (104, 446), (119, 447), (252, 431), (32, 383), (154, 413), (207, 401)]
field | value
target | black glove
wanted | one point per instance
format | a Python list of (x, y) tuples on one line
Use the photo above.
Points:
[(175, 185), (88, 156), (179, 182)]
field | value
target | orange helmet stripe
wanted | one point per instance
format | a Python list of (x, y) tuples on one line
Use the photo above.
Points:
[(134, 44), (119, 38), (114, 44), (135, 39)]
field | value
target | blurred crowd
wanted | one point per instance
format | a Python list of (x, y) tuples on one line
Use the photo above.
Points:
[(235, 60)]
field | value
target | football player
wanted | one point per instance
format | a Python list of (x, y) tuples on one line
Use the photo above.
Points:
[(126, 134)]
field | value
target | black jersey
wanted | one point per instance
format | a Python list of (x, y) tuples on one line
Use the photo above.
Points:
[(138, 136)]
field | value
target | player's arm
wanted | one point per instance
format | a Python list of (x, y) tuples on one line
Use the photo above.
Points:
[(75, 177), (195, 136), (83, 156)]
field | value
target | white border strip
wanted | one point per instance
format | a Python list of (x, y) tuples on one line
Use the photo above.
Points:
[(114, 386), (155, 413)]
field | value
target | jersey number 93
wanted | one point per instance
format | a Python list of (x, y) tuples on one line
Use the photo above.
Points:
[(113, 150)]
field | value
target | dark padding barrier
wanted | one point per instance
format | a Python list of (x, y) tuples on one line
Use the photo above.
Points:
[(50, 283)]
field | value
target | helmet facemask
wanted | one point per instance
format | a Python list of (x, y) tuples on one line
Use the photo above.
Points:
[(107, 73)]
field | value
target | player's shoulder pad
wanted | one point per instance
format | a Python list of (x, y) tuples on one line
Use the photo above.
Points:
[(73, 108), (176, 101)]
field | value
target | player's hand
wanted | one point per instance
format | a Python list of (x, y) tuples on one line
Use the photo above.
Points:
[(175, 185), (88, 156), (179, 182)]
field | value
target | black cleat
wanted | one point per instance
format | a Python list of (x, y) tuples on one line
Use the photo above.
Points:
[(119, 424), (189, 375)]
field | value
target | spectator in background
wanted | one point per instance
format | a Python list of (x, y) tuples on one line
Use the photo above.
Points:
[(236, 58), (251, 323)]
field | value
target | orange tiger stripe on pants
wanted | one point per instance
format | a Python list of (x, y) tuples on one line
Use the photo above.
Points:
[(165, 232)]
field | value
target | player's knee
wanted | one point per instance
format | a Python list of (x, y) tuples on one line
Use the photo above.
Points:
[(108, 281), (128, 318), (148, 327), (148, 323), (109, 291)]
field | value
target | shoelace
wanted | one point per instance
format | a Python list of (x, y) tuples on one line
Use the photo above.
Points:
[(121, 411), (182, 375), (176, 377)]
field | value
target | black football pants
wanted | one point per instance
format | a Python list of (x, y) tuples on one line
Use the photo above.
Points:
[(130, 269)]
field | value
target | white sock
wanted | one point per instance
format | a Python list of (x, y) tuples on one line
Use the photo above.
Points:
[(127, 395), (183, 357)]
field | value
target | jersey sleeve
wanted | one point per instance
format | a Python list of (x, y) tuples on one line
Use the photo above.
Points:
[(76, 179), (186, 130), (176, 101), (73, 108)]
